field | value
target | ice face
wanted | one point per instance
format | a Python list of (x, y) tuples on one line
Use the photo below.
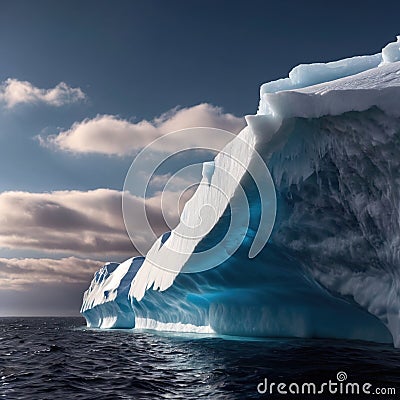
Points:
[(274, 296), (105, 304), (330, 136)]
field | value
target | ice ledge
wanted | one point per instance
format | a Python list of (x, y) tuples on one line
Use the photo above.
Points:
[(352, 84), (378, 87), (305, 75)]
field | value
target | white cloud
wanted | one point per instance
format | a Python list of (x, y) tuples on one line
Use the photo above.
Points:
[(108, 134), (88, 224), (14, 92)]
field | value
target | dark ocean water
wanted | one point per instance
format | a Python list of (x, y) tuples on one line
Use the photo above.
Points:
[(58, 358)]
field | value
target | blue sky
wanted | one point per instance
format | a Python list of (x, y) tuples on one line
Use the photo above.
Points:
[(84, 85)]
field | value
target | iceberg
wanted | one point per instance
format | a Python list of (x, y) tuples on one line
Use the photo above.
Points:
[(330, 136)]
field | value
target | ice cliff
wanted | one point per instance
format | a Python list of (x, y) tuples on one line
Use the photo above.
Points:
[(330, 135)]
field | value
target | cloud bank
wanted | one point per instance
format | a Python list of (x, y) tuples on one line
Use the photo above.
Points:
[(110, 135), (88, 224), (14, 92), (15, 273)]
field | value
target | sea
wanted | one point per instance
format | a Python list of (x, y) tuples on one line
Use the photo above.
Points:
[(59, 358)]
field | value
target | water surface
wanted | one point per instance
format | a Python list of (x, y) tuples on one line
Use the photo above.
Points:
[(58, 358)]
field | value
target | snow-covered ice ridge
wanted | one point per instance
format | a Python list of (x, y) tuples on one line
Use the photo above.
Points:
[(330, 135)]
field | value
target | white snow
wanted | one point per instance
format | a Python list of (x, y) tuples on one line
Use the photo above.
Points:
[(199, 216)]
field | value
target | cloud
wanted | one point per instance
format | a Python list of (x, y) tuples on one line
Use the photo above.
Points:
[(15, 273), (88, 224), (110, 135), (34, 299), (14, 92), (81, 223)]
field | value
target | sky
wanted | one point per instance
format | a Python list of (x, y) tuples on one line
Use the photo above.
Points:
[(86, 85)]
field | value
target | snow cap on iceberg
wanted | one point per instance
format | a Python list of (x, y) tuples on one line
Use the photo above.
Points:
[(391, 53)]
